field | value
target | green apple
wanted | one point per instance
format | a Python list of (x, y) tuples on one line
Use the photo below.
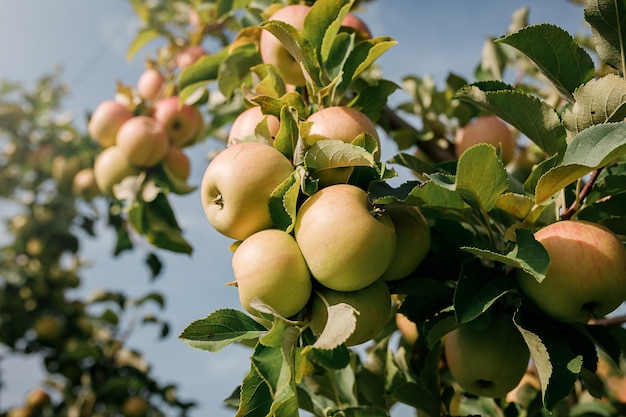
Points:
[(143, 141), (272, 50), (586, 278), (487, 129), (488, 361), (246, 122), (106, 120), (373, 304), (49, 329), (347, 243), (180, 121), (269, 265), (150, 84), (412, 240), (236, 188), (110, 167)]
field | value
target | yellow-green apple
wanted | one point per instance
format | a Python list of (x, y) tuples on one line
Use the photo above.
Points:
[(246, 122), (488, 360), (487, 129), (268, 265), (177, 163), (106, 120), (373, 304), (49, 328), (135, 406), (408, 329), (189, 55), (236, 188), (110, 167), (150, 84), (21, 412), (347, 242), (63, 170), (412, 240), (143, 140), (586, 277), (181, 121), (353, 21), (84, 184), (272, 50)]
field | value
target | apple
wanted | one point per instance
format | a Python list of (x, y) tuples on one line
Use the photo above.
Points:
[(110, 167), (247, 121), (106, 120), (181, 121), (236, 188), (487, 129), (189, 55), (84, 184), (272, 50), (177, 163), (143, 140), (353, 21), (488, 361), (38, 398), (21, 412), (269, 265), (347, 243), (49, 329), (63, 170), (150, 84), (135, 406), (408, 329), (372, 302), (585, 279)]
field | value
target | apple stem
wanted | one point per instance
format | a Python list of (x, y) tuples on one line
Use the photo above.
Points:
[(218, 201), (567, 214)]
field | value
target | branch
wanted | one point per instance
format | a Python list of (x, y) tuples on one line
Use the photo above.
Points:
[(583, 194)]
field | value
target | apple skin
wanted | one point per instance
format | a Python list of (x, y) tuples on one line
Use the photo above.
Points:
[(412, 240), (49, 329), (180, 121), (408, 329), (38, 398), (272, 50), (489, 361), (189, 56), (177, 163), (84, 184), (135, 406), (346, 245), (236, 188), (586, 277), (106, 120), (269, 265), (373, 303), (150, 84), (110, 168), (143, 140), (487, 129), (353, 21), (246, 122)]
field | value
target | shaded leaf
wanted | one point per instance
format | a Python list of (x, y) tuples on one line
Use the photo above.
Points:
[(608, 31)]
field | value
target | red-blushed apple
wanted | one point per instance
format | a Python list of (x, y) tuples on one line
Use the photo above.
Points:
[(106, 120), (586, 278), (408, 329), (189, 56), (347, 243), (181, 121), (272, 50), (110, 167), (373, 304), (268, 265), (487, 129), (412, 240), (487, 360), (246, 122), (353, 21), (177, 163), (150, 84), (143, 140), (84, 184), (38, 398), (237, 185)]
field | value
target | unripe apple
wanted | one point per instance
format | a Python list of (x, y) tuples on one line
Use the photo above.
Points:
[(236, 188), (412, 240), (111, 167), (272, 50), (487, 129), (347, 243), (353, 21), (269, 265), (586, 278), (143, 140), (106, 121), (177, 163), (180, 121), (188, 56), (49, 328), (247, 121), (63, 170), (38, 398), (135, 406), (372, 302), (84, 184), (150, 84), (487, 361)]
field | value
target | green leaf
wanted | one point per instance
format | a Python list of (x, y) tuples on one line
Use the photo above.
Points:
[(336, 358), (235, 68), (283, 202), (565, 63), (143, 37), (516, 205), (204, 69), (363, 56), (274, 367), (340, 325), (287, 136), (557, 365), (531, 116), (322, 24), (220, 329), (255, 399), (372, 99), (608, 31), (332, 153)]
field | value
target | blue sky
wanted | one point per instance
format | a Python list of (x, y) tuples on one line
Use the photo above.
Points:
[(88, 39)]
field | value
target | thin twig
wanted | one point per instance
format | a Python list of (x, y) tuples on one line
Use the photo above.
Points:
[(583, 194)]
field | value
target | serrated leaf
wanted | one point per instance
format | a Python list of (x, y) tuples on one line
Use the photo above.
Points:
[(255, 399), (220, 329), (340, 324), (336, 358), (205, 69), (516, 205), (287, 136), (372, 99), (531, 116), (565, 63), (274, 367), (608, 32), (363, 56), (322, 24), (284, 200), (270, 82), (143, 37), (331, 153), (235, 68)]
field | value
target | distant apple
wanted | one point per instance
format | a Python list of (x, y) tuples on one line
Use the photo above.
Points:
[(586, 278), (247, 121), (106, 120), (84, 184), (177, 163), (150, 84), (407, 328), (180, 121), (487, 129), (143, 140), (135, 406), (189, 55), (110, 167)]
